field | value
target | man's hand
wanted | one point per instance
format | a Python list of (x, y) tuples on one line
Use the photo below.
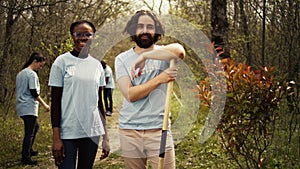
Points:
[(168, 75), (138, 66)]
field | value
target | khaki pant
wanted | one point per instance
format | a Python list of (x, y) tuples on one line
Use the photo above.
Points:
[(138, 146)]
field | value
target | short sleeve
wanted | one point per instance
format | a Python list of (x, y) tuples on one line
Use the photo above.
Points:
[(106, 73), (33, 80), (120, 69), (56, 77), (102, 78)]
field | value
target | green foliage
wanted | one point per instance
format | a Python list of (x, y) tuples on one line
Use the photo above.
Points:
[(56, 50), (248, 123), (12, 133), (192, 154)]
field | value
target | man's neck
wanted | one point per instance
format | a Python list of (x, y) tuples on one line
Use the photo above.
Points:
[(140, 50)]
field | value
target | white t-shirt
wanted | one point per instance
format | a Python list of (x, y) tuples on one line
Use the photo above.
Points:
[(146, 113), (108, 73), (25, 103), (80, 79)]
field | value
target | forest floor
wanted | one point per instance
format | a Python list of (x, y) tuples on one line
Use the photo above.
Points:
[(46, 161)]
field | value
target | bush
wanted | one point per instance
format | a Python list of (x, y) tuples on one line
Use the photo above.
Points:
[(247, 126)]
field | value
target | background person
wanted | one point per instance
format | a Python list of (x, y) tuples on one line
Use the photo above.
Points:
[(108, 89), (144, 90), (27, 103), (76, 79)]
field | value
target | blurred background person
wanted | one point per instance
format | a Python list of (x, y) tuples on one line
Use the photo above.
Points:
[(108, 89), (27, 103)]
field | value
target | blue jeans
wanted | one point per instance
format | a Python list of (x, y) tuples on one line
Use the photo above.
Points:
[(31, 127), (87, 150)]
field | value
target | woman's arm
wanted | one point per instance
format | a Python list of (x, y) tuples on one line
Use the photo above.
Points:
[(56, 95), (105, 141), (37, 97), (57, 145), (43, 103)]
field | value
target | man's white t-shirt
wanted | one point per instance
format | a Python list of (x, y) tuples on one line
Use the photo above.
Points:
[(80, 79), (146, 113)]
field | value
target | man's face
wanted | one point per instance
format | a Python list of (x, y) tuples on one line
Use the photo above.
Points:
[(145, 32)]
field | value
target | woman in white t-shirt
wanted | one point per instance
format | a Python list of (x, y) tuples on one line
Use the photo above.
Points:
[(27, 103), (77, 113)]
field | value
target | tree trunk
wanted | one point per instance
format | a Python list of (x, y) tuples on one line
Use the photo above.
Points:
[(263, 34), (5, 56), (219, 24), (246, 33)]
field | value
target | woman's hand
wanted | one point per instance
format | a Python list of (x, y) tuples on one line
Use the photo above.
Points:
[(58, 152), (47, 107), (105, 148)]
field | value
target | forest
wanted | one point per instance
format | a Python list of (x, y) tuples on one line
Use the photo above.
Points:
[(236, 103)]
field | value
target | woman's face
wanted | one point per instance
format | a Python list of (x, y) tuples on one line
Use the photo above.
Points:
[(81, 34), (38, 65)]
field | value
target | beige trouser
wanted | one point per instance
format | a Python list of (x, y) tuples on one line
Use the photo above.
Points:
[(138, 146)]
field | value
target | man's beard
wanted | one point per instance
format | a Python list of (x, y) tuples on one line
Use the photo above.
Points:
[(144, 43)]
